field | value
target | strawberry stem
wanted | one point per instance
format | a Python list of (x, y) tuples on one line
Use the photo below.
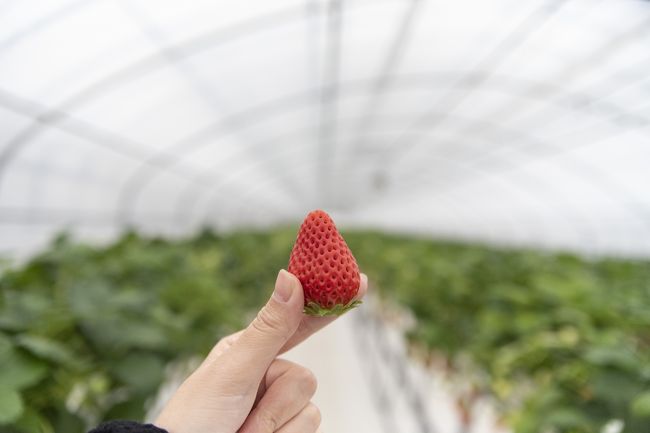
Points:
[(313, 309)]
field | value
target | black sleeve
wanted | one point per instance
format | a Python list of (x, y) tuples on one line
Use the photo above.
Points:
[(126, 427)]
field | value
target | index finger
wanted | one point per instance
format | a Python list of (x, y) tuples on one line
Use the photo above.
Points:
[(310, 324)]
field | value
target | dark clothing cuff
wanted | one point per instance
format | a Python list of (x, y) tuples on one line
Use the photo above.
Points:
[(126, 427)]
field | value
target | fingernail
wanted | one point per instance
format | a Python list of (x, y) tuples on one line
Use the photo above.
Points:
[(364, 278), (283, 286)]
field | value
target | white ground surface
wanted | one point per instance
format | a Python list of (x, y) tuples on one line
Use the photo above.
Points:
[(368, 385), (343, 395)]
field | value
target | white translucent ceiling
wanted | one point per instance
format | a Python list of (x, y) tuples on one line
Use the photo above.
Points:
[(511, 121)]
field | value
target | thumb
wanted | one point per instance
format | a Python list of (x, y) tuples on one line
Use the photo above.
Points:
[(258, 345)]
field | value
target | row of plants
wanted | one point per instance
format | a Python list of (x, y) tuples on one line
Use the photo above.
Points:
[(562, 342), (86, 332)]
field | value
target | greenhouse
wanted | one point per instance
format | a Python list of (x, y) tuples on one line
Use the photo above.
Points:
[(486, 162)]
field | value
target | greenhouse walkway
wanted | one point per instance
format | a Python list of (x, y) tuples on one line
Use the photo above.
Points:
[(363, 356)]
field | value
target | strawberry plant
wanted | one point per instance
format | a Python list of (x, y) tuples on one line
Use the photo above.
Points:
[(562, 342)]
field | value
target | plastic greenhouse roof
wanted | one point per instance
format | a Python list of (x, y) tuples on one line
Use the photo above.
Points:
[(510, 121)]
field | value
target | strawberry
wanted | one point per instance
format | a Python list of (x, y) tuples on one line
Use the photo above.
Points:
[(325, 266)]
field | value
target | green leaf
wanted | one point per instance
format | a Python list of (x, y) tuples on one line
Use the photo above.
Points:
[(612, 356), (22, 309), (32, 422), (313, 309), (142, 371), (565, 418), (641, 405), (87, 300), (116, 333), (5, 346), (46, 348), (65, 421), (19, 371), (11, 405), (614, 386), (134, 408)]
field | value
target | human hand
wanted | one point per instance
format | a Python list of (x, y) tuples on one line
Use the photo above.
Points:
[(241, 386)]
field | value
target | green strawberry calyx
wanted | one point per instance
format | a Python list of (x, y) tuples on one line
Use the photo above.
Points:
[(313, 309)]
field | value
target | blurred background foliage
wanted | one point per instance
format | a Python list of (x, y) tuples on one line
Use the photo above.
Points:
[(562, 342)]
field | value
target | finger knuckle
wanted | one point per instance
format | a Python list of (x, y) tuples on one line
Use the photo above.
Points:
[(312, 415), (267, 421), (220, 345), (307, 381), (224, 343), (268, 322)]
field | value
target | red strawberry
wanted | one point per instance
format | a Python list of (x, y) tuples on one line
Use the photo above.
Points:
[(325, 266)]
